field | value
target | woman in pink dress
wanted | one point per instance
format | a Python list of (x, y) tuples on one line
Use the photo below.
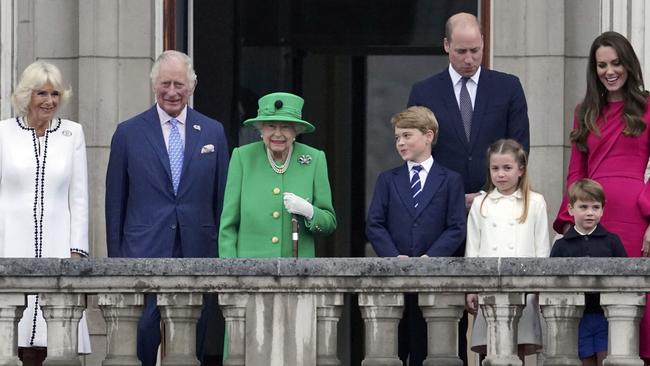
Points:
[(610, 144)]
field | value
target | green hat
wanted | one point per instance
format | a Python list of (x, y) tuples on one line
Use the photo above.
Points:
[(281, 107)]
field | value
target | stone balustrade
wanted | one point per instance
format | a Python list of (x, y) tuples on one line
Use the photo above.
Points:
[(380, 283)]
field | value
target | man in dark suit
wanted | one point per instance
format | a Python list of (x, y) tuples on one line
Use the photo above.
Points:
[(474, 106), (164, 185), (417, 210)]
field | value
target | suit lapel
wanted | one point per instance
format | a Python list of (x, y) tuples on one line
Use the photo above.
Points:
[(452, 108), (431, 186), (402, 183), (480, 104), (153, 133), (193, 128)]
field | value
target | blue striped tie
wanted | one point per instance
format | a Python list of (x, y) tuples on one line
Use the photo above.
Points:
[(175, 151), (416, 186)]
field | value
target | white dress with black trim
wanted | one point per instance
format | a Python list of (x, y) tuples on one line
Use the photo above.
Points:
[(43, 206)]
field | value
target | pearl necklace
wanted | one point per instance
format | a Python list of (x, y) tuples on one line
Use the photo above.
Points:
[(280, 169)]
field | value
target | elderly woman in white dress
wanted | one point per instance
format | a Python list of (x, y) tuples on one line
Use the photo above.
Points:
[(43, 191)]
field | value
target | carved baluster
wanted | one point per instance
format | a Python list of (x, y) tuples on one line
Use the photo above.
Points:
[(623, 311), (442, 312), (562, 312), (502, 312), (381, 314), (328, 313), (180, 313), (62, 313), (121, 314), (233, 308), (11, 310)]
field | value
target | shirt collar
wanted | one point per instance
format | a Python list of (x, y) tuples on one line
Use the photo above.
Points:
[(455, 76), (426, 165), (164, 117), (575, 227), (496, 195)]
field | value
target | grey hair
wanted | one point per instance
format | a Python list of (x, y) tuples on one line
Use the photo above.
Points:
[(170, 55), (35, 76)]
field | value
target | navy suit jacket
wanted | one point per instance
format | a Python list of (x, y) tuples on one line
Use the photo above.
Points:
[(142, 212), (500, 111), (436, 228)]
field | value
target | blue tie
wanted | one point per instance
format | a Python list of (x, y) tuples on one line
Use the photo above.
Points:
[(416, 186), (175, 151), (466, 109)]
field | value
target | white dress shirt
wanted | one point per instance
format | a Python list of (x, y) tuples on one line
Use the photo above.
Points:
[(472, 84), (167, 126), (426, 168)]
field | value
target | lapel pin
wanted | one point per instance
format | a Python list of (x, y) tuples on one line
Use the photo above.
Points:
[(197, 127), (66, 133)]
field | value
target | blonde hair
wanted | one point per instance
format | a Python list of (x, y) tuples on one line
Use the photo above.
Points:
[(417, 117), (510, 146), (35, 76)]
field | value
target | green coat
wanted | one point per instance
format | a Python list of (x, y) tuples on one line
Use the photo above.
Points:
[(254, 222)]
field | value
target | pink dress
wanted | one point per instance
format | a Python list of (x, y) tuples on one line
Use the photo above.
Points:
[(618, 163)]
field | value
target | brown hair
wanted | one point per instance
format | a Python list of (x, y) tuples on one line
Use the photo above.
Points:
[(634, 93), (586, 190), (417, 117), (510, 146)]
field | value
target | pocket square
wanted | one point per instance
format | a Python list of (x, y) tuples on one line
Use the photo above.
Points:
[(206, 149)]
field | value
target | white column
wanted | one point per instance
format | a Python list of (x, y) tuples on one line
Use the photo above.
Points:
[(623, 311), (121, 314), (442, 312), (328, 313), (502, 312), (62, 313), (381, 314), (562, 312), (180, 313), (233, 308), (11, 310)]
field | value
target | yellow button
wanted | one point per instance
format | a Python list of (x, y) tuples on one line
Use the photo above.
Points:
[(275, 240), (276, 190), (276, 214)]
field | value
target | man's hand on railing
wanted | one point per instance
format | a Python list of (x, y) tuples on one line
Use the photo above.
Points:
[(471, 303)]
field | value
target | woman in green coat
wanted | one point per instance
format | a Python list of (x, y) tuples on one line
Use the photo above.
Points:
[(270, 180)]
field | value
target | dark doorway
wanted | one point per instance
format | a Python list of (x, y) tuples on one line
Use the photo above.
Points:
[(352, 61)]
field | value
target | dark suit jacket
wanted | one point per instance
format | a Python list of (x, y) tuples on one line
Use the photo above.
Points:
[(500, 111), (142, 212), (436, 229)]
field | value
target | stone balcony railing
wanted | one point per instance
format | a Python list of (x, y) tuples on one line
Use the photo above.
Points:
[(379, 282)]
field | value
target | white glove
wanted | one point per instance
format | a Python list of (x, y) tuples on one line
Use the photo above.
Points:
[(298, 205)]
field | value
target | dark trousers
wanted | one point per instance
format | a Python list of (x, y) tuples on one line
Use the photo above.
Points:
[(412, 333), (149, 331), (32, 356), (149, 324)]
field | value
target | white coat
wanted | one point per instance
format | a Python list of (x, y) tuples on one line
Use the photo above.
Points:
[(494, 230), (61, 218)]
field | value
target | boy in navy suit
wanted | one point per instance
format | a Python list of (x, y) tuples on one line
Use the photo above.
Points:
[(587, 238), (417, 210)]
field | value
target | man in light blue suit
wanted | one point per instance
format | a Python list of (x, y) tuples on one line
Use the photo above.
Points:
[(164, 185), (475, 106)]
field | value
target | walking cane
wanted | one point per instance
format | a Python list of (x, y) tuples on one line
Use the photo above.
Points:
[(294, 234)]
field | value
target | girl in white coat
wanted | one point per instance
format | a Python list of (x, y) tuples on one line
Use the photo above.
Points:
[(509, 220)]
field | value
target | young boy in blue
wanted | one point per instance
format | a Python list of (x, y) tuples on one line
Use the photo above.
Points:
[(417, 210), (589, 239)]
